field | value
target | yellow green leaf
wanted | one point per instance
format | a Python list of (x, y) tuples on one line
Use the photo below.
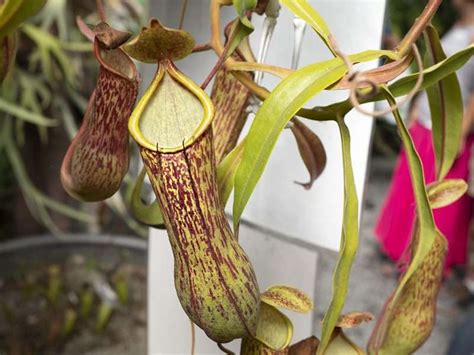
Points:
[(341, 345), (226, 172), (274, 329), (445, 192), (305, 11), (349, 242), (282, 104), (143, 213)]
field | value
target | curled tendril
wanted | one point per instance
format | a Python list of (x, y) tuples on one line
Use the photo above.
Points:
[(357, 82)]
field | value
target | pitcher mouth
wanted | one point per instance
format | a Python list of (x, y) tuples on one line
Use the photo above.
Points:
[(166, 67)]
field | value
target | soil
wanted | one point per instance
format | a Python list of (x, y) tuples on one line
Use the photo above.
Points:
[(44, 308)]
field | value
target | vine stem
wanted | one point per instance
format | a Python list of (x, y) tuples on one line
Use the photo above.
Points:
[(183, 13), (101, 10), (405, 45), (193, 338), (403, 49)]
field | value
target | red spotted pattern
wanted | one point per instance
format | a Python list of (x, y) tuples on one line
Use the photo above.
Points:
[(98, 157), (214, 278)]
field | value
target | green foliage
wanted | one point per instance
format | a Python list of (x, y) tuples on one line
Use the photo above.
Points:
[(349, 241), (446, 107)]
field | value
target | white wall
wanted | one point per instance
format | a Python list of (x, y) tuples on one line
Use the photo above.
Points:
[(312, 217)]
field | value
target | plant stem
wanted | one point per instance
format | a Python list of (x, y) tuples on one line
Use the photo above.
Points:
[(405, 45), (101, 10), (183, 14)]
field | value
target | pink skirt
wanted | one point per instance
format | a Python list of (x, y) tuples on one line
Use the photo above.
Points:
[(395, 223)]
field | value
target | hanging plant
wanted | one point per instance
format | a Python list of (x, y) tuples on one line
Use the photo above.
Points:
[(214, 278), (98, 156)]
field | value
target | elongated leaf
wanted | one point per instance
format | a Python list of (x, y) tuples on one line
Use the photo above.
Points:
[(433, 74), (311, 150), (349, 242), (305, 11), (282, 104), (287, 297), (25, 115), (401, 87), (445, 192), (446, 107), (14, 12), (226, 172)]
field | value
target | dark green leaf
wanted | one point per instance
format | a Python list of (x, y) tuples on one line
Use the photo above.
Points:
[(446, 108)]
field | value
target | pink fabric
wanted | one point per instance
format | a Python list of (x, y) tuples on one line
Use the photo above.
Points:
[(395, 223)]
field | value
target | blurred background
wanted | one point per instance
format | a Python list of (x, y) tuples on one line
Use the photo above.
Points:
[(73, 276)]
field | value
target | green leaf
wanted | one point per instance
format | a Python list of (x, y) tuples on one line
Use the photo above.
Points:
[(14, 12), (401, 87), (241, 29), (287, 297), (305, 11), (241, 6), (445, 192), (25, 115), (427, 228), (349, 242), (282, 104), (149, 215), (446, 107), (226, 172), (432, 75)]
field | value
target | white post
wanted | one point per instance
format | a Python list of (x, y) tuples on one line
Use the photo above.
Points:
[(302, 221)]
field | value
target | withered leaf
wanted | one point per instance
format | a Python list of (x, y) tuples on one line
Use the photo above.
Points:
[(353, 319), (156, 43), (287, 297), (311, 150), (110, 37), (306, 346)]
